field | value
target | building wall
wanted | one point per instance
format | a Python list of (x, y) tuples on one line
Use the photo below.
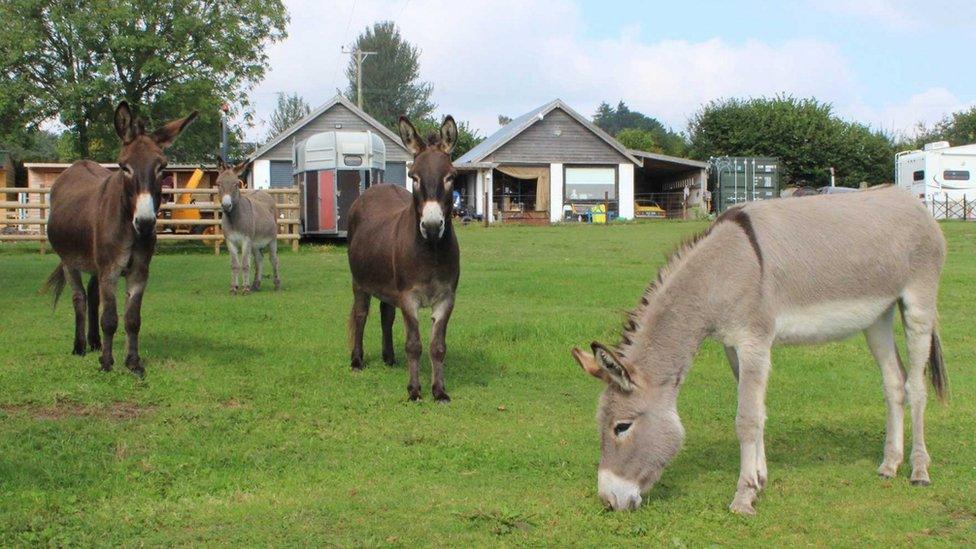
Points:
[(625, 190), (326, 122), (555, 192), (557, 138)]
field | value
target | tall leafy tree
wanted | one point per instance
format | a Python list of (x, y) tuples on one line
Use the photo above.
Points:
[(958, 128), (641, 140), (71, 60), (804, 133), (290, 109), (615, 120), (391, 78)]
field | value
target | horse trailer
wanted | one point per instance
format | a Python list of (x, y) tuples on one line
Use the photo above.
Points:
[(331, 170), (938, 172)]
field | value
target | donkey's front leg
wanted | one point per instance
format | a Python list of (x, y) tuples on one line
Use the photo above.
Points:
[(235, 265), (246, 254), (135, 283), (749, 424), (438, 347), (107, 286), (413, 347)]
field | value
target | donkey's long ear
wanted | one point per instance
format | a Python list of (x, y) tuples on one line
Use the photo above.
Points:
[(411, 139), (221, 165), (588, 363), (613, 367), (165, 136), (449, 135), (123, 122), (240, 168)]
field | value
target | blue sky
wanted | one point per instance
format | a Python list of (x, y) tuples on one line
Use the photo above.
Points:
[(887, 63)]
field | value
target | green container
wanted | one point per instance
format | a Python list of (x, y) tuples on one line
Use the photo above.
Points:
[(739, 179)]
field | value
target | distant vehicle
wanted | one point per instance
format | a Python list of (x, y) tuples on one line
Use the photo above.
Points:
[(836, 190), (646, 209), (938, 171)]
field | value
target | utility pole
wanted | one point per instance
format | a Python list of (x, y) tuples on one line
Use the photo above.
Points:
[(360, 56)]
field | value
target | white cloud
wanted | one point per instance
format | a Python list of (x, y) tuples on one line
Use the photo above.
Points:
[(494, 57), (926, 107)]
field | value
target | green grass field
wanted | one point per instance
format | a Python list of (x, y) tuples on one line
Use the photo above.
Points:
[(250, 428)]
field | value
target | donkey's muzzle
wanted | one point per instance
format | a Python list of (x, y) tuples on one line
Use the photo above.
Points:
[(618, 493), (145, 226), (144, 219)]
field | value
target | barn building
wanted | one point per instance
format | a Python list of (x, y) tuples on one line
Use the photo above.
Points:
[(552, 163), (273, 162)]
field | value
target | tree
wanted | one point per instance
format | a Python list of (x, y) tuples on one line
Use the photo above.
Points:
[(290, 109), (391, 78), (504, 120), (641, 140), (803, 133), (72, 60), (466, 140), (958, 128), (614, 120)]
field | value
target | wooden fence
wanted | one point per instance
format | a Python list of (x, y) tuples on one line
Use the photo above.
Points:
[(25, 217), (947, 208)]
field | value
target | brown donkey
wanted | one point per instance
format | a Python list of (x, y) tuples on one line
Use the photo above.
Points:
[(104, 223), (402, 250)]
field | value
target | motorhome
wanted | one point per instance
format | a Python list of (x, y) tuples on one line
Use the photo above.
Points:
[(938, 172)]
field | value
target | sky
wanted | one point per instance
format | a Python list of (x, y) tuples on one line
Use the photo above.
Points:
[(888, 63)]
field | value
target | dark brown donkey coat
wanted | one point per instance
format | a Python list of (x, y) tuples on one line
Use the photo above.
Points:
[(404, 264), (103, 223)]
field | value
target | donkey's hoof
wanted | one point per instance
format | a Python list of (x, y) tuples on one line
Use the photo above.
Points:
[(887, 471), (255, 287), (741, 507), (389, 360), (356, 366), (442, 398), (277, 284), (233, 290), (414, 393), (921, 482), (78, 351), (107, 364), (94, 345), (246, 290)]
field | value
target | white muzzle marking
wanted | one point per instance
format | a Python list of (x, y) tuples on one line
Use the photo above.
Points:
[(432, 216), (226, 203), (618, 493), (145, 212)]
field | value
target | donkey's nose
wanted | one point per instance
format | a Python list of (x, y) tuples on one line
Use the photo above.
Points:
[(145, 225), (433, 228), (617, 493)]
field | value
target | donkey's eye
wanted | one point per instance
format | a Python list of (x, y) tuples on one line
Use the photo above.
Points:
[(126, 169), (621, 427)]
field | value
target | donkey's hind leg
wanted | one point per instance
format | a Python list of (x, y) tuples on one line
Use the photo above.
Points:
[(258, 268), (94, 339), (387, 316), (357, 323), (80, 303), (881, 340), (919, 315), (273, 254)]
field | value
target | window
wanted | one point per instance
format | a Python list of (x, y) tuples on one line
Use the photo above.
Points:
[(956, 175), (919, 175), (590, 184), (352, 159)]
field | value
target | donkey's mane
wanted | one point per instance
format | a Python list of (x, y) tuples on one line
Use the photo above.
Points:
[(671, 263)]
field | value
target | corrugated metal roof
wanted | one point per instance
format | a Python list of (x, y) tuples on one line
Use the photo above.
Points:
[(338, 99), (518, 125), (669, 158)]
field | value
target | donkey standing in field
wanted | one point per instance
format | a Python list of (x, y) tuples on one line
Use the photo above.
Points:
[(402, 250), (785, 271), (250, 224), (104, 223)]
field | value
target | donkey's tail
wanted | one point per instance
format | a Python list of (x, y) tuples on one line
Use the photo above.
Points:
[(55, 284), (937, 369)]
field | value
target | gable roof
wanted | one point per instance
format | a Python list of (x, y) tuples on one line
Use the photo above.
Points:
[(518, 125), (339, 99)]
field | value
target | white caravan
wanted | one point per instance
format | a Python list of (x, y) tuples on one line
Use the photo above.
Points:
[(938, 172)]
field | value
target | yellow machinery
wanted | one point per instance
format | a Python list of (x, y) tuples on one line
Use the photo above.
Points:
[(187, 198)]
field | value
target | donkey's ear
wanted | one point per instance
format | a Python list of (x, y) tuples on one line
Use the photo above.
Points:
[(165, 136), (123, 122), (411, 139), (613, 367), (449, 135), (241, 168), (588, 363), (221, 165)]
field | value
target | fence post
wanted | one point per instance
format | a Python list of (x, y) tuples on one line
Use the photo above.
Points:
[(965, 208), (487, 209), (43, 212)]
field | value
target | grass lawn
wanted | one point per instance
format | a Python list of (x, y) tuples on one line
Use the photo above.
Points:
[(251, 429)]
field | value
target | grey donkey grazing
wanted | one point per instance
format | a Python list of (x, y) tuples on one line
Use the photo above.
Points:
[(250, 224), (805, 270)]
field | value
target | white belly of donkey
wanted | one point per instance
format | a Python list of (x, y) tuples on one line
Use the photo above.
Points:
[(829, 321)]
